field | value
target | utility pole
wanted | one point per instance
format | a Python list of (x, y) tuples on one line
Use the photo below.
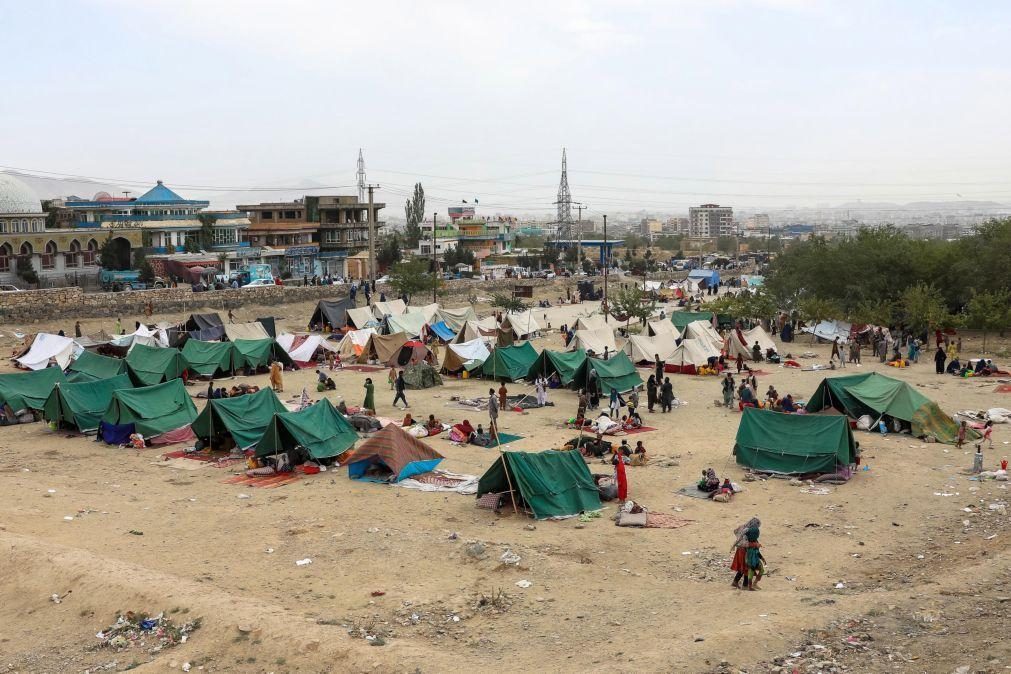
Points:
[(604, 256), (579, 236), (435, 264), (372, 238)]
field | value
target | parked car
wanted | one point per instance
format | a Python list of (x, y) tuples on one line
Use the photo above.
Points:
[(259, 283), (9, 289)]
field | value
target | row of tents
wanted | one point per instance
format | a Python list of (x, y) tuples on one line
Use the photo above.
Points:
[(822, 440)]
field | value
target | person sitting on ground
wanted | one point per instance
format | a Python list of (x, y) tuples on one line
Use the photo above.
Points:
[(462, 432), (433, 425), (604, 424), (621, 453), (639, 457), (709, 482), (787, 405), (408, 420), (554, 381), (342, 407), (954, 367), (771, 355), (771, 396), (756, 352), (326, 384), (725, 492), (747, 397)]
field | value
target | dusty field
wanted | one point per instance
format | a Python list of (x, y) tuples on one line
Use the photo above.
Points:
[(925, 584)]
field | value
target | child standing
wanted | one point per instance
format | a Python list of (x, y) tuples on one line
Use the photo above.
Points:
[(962, 430)]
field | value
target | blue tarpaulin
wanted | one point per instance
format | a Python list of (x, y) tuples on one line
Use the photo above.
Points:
[(442, 331), (710, 276)]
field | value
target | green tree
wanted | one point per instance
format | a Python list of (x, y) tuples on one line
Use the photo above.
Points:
[(206, 234), (550, 254), (411, 277), (25, 271), (633, 242), (872, 312), (143, 265), (669, 242), (815, 309), (726, 244), (388, 252), (192, 245), (989, 311), (108, 255), (460, 255), (922, 308), (631, 302), (507, 303), (414, 214)]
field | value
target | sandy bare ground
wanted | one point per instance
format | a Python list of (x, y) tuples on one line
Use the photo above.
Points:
[(929, 580)]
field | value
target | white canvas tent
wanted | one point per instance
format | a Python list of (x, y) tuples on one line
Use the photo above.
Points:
[(662, 327), (592, 322), (306, 351), (829, 330), (361, 317), (466, 355), (704, 330), (413, 324), (455, 318), (429, 311), (594, 340), (691, 354), (351, 345), (254, 330), (48, 347), (756, 334), (472, 330), (391, 308), (640, 348), (522, 324)]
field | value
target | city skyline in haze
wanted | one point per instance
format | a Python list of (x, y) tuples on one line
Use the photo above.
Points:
[(753, 103)]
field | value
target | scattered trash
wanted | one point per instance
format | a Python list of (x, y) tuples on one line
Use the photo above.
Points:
[(699, 637), (243, 496), (303, 562), (509, 557), (373, 530), (523, 583), (152, 633), (269, 550), (840, 586), (454, 536), (378, 593), (136, 533), (476, 550), (55, 598), (68, 518), (530, 527)]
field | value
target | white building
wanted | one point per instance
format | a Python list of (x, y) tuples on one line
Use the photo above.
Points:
[(709, 221)]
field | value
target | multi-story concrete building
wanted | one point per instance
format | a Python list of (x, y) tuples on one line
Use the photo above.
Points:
[(280, 235), (710, 221), (343, 230), (485, 236), (447, 238)]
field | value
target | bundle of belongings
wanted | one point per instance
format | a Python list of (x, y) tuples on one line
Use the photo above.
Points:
[(721, 492)]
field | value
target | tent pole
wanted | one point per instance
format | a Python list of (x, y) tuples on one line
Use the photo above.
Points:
[(505, 467)]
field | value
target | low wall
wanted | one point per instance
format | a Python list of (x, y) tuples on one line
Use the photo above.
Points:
[(62, 303)]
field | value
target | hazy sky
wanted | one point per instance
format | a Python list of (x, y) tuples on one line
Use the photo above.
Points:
[(660, 103)]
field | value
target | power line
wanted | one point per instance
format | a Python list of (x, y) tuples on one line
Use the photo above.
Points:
[(209, 188)]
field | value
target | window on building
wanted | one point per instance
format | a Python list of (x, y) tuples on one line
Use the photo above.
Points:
[(6, 253), (331, 236), (72, 258), (89, 254), (49, 256), (267, 215), (3, 226), (289, 215), (225, 236)]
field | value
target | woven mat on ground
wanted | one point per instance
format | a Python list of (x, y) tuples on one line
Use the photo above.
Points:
[(440, 480), (218, 461), (665, 521), (759, 373), (488, 501), (692, 491), (265, 481), (364, 368), (1004, 388)]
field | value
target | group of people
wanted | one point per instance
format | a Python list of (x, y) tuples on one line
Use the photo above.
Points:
[(232, 392)]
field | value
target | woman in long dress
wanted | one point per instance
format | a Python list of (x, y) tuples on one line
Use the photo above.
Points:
[(276, 382), (541, 386), (650, 393), (370, 399), (666, 396)]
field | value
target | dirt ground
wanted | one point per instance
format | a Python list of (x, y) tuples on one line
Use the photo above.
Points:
[(904, 569)]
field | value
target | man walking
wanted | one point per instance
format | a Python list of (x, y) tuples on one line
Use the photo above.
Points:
[(492, 414), (400, 385)]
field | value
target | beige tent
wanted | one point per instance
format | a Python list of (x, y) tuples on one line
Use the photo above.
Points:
[(662, 327), (472, 330), (465, 355), (704, 330), (383, 348), (353, 343), (594, 340), (640, 348), (429, 311), (254, 330), (391, 308), (522, 324), (456, 318), (690, 355), (593, 322), (744, 348), (361, 317)]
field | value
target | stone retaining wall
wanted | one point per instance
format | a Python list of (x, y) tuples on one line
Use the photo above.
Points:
[(64, 303)]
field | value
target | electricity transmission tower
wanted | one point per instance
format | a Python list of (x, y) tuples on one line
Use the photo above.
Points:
[(564, 203), (361, 177)]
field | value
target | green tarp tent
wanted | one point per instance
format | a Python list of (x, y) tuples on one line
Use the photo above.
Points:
[(209, 359), (320, 428), (682, 318), (152, 365), (793, 443), (421, 375), (877, 396), (91, 366), (550, 483), (256, 353), (29, 390), (152, 410), (510, 362), (244, 417), (617, 372), (565, 363), (81, 405)]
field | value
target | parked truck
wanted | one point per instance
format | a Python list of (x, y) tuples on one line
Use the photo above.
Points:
[(126, 279)]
